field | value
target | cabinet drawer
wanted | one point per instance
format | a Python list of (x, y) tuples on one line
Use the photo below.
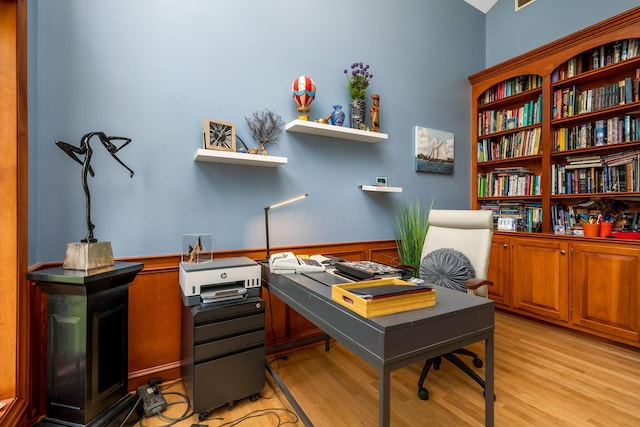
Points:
[(231, 345), (227, 379), (229, 327)]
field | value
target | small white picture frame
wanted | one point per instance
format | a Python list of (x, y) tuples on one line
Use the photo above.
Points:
[(506, 224)]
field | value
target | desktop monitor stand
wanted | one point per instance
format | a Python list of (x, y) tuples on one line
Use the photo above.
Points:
[(87, 344)]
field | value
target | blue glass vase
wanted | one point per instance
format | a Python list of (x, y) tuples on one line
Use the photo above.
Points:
[(337, 116)]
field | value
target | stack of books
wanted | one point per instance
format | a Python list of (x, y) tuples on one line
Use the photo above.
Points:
[(366, 270)]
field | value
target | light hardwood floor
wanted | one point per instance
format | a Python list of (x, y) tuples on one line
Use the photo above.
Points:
[(544, 376)]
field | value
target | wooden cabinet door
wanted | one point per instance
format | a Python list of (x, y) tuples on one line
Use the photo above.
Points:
[(605, 289), (539, 277), (498, 271)]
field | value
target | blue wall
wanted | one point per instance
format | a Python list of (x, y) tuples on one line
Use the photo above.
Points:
[(153, 70), (511, 33)]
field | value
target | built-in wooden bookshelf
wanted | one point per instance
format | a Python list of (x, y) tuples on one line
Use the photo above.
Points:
[(508, 147), (555, 134), (559, 126)]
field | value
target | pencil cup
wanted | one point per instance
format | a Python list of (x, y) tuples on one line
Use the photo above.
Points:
[(591, 230), (605, 229)]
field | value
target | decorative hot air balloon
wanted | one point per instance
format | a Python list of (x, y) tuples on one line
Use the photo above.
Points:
[(304, 91)]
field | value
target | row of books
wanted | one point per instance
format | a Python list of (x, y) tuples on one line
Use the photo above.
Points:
[(571, 101), (518, 144), (510, 87), (601, 132), (505, 182), (602, 56), (492, 121), (619, 177), (527, 215), (564, 216)]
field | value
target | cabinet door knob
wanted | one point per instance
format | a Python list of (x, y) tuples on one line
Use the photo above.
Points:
[(504, 245), (562, 252)]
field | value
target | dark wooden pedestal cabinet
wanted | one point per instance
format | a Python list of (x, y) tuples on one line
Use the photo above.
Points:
[(87, 348)]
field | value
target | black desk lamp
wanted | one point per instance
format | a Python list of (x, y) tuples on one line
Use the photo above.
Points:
[(276, 205)]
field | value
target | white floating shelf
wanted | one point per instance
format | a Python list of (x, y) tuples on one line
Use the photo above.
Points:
[(381, 189), (234, 158), (331, 131)]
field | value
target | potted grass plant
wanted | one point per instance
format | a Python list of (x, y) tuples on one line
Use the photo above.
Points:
[(412, 224)]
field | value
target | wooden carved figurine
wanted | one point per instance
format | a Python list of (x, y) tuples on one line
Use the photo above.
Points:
[(375, 113)]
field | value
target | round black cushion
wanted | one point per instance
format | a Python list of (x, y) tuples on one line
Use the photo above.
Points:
[(446, 267)]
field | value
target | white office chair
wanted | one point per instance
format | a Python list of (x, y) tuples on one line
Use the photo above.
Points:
[(455, 254)]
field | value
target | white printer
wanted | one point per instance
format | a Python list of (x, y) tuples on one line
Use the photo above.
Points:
[(219, 280)]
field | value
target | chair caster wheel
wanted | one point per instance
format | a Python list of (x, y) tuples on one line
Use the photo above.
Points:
[(477, 363), (423, 393)]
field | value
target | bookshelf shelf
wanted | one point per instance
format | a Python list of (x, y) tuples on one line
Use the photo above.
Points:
[(340, 132), (607, 148), (512, 198), (379, 189), (229, 157), (520, 97)]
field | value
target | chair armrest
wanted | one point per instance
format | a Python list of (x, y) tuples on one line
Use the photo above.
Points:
[(475, 283)]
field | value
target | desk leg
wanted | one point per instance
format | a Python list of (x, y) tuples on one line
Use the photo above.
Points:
[(297, 408), (489, 389), (384, 402)]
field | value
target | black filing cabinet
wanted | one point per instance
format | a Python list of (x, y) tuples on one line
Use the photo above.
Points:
[(223, 352)]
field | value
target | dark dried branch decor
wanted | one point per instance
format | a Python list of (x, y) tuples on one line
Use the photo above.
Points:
[(266, 127)]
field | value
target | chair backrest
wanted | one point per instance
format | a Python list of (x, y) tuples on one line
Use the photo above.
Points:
[(468, 231)]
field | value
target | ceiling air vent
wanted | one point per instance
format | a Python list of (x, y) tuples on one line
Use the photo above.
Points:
[(522, 3)]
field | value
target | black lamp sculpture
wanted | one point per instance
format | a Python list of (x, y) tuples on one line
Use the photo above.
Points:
[(277, 205)]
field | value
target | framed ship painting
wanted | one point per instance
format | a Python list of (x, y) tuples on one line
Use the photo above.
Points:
[(434, 150)]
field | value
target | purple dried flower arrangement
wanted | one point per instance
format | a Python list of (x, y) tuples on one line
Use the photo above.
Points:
[(359, 80)]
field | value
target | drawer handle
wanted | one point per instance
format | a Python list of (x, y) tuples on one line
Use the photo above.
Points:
[(347, 300)]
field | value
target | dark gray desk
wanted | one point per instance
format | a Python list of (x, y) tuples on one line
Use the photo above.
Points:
[(391, 342)]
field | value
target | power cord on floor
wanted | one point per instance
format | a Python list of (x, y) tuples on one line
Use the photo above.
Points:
[(184, 400), (130, 412), (277, 357), (276, 412)]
